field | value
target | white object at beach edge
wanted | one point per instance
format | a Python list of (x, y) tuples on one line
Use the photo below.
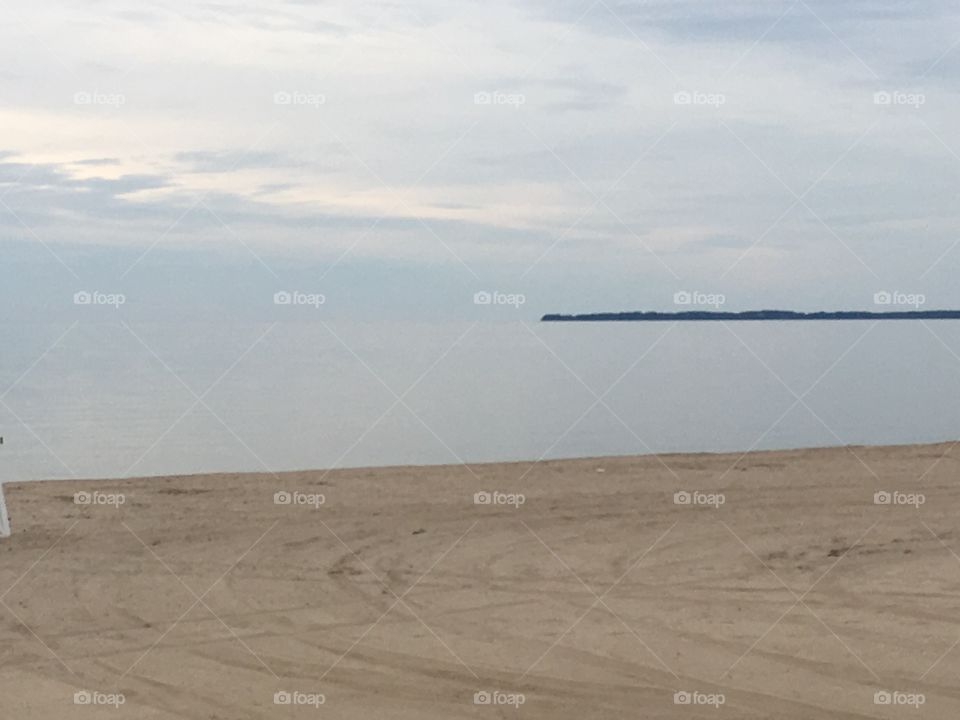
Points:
[(4, 520)]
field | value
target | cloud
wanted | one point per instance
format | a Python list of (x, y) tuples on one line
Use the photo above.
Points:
[(579, 93), (744, 21), (97, 162), (206, 161), (400, 140)]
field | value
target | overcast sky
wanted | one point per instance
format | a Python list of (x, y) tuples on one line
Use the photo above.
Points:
[(591, 155)]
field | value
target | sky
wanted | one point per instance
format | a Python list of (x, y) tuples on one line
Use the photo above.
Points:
[(399, 158)]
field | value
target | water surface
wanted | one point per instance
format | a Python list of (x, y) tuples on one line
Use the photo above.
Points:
[(145, 399)]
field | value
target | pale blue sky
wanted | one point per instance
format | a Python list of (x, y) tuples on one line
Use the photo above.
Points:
[(205, 154)]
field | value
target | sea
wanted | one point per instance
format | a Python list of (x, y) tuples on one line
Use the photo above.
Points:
[(109, 397)]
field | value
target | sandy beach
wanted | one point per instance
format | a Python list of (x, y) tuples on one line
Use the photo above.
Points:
[(774, 585)]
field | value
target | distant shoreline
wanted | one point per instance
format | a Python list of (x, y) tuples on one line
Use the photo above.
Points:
[(752, 315)]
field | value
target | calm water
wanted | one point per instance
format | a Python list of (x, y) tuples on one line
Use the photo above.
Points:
[(102, 404)]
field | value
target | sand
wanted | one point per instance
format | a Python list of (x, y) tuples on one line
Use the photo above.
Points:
[(792, 595)]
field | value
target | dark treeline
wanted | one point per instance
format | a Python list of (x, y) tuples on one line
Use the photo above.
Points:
[(755, 315)]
